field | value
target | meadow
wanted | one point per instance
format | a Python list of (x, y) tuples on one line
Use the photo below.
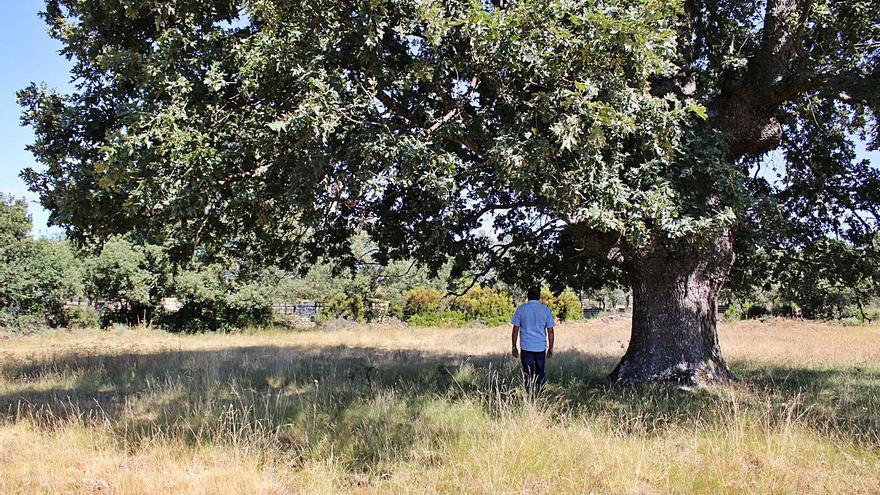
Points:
[(385, 409)]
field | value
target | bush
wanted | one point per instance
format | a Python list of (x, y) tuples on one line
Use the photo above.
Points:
[(785, 310), (733, 313), (15, 222), (201, 291), (395, 310), (22, 322), (420, 301), (36, 278), (490, 306), (132, 275), (756, 311), (82, 317), (548, 299), (351, 307), (568, 306), (446, 318), (249, 305), (212, 302)]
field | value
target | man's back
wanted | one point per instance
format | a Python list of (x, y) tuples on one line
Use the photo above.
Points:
[(533, 318)]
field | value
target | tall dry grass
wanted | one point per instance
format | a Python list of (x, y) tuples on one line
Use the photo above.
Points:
[(395, 410)]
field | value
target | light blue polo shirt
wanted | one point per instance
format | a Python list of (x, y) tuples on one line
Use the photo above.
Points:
[(533, 318)]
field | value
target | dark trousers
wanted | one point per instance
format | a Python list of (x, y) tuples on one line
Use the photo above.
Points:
[(533, 369)]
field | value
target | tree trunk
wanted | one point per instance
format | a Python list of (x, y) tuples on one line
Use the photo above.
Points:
[(674, 337)]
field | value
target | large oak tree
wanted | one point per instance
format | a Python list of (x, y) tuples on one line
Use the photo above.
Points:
[(598, 140)]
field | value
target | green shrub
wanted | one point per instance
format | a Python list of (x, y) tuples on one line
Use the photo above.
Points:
[(133, 275), (351, 307), (445, 318), (15, 222), (488, 305), (212, 302), (23, 322), (82, 317), (784, 309), (200, 289), (568, 306), (249, 305), (419, 301), (548, 299), (733, 313), (36, 278), (395, 310), (756, 311)]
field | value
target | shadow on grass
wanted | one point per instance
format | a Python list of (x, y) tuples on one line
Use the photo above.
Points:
[(372, 405)]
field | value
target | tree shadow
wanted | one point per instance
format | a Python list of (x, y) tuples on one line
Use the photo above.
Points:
[(365, 403)]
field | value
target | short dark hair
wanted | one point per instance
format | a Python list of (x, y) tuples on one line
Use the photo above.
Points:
[(534, 293)]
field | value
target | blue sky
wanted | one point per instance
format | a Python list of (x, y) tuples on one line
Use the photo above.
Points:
[(28, 54)]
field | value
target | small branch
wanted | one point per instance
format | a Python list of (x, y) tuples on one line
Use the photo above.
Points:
[(495, 258), (446, 118)]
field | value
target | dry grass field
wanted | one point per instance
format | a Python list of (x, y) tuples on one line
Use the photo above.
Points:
[(397, 410)]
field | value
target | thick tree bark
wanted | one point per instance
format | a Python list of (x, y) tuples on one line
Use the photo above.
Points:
[(674, 336)]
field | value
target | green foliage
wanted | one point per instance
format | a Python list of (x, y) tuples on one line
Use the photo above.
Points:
[(733, 313), (488, 305), (117, 273), (36, 278), (830, 278), (135, 277), (351, 307), (200, 285), (250, 304), (755, 311), (459, 109), (82, 317), (130, 276), (400, 277), (316, 284), (547, 298), (213, 299), (420, 301), (349, 291), (568, 306), (442, 318), (612, 297), (589, 134), (785, 309), (15, 222)]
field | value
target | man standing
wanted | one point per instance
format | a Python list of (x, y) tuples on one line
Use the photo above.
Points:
[(533, 324)]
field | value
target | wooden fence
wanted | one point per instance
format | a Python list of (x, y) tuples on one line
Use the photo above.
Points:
[(309, 310)]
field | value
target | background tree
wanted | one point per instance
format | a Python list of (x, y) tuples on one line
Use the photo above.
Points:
[(15, 222), (615, 141), (36, 276), (219, 297), (134, 277)]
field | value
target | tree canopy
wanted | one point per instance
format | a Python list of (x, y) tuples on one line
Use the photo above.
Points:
[(578, 141), (15, 222), (571, 128)]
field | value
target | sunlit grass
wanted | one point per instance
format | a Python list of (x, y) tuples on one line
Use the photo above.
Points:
[(390, 410)]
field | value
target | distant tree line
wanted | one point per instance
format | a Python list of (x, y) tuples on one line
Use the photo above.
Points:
[(131, 280)]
